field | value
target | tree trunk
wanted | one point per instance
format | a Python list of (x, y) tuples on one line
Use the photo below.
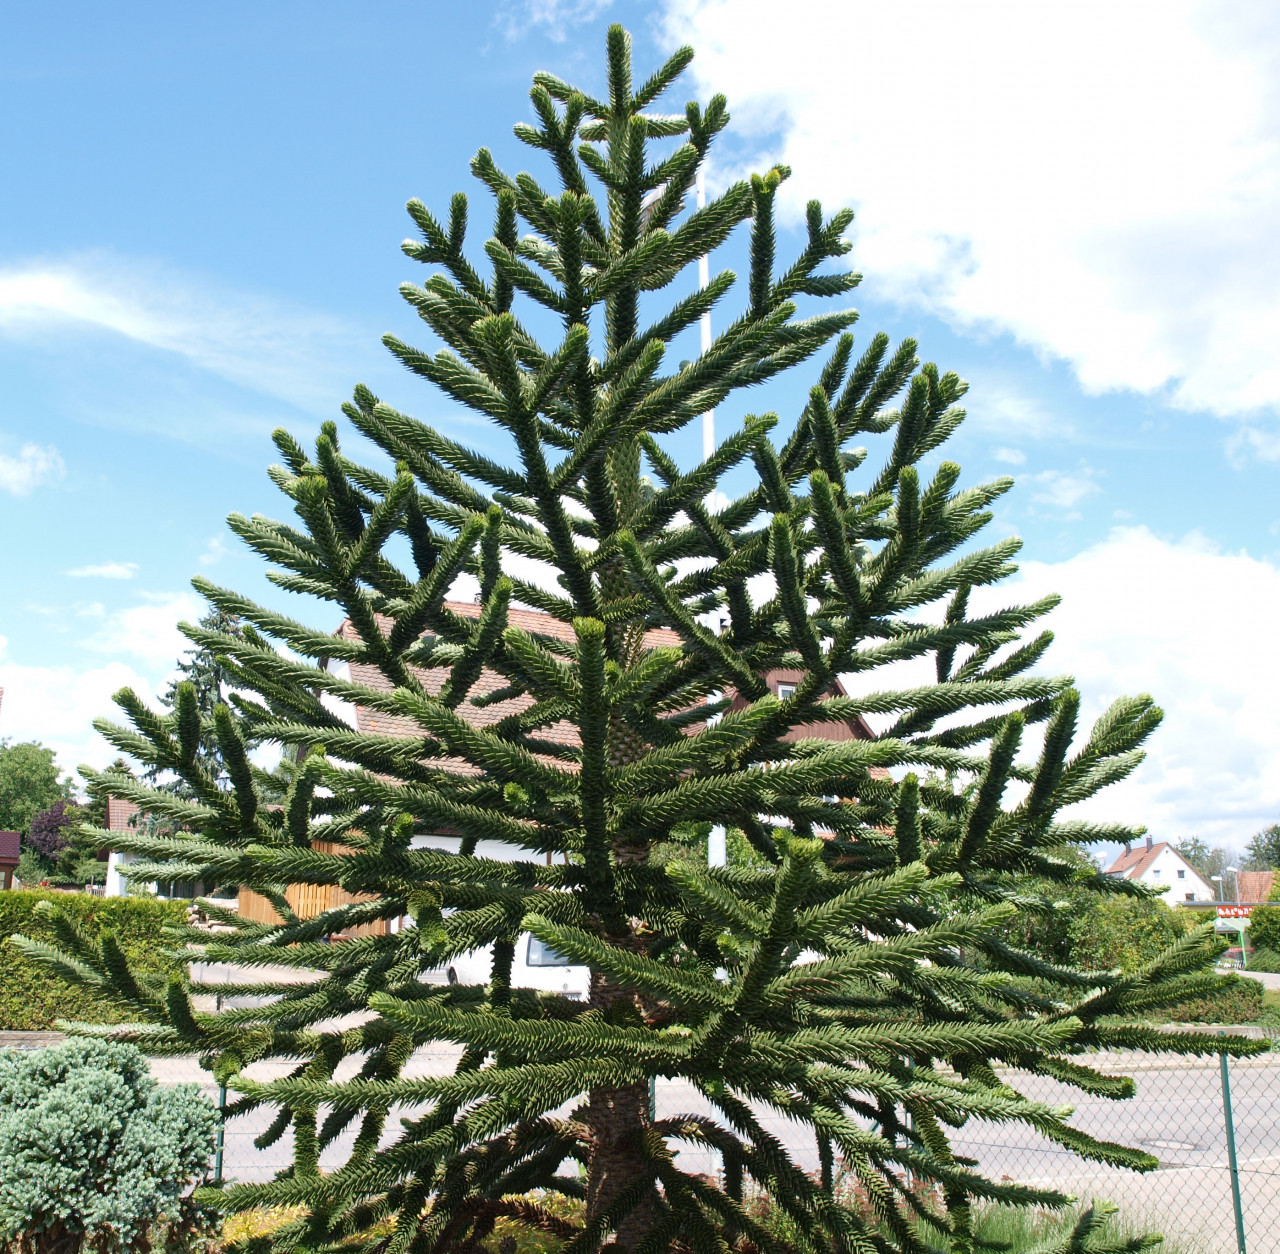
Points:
[(618, 1119)]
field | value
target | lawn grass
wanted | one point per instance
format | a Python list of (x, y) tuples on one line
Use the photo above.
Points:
[(1024, 1230)]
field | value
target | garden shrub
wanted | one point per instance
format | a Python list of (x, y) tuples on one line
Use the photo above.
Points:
[(94, 1153), (1264, 927), (33, 997), (1240, 1001), (1264, 960), (1123, 932)]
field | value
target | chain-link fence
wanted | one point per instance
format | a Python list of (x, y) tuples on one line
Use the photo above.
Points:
[(1178, 1114)]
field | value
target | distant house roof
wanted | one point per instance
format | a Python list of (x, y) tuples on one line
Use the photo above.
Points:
[(1255, 885), (119, 813), (537, 623), (1133, 862), (10, 847), (855, 729), (534, 622)]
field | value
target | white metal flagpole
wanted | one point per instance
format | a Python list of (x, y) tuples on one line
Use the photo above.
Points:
[(717, 839), (704, 278)]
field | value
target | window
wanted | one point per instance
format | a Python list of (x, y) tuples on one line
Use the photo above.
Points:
[(1182, 875), (541, 955), (785, 691), (1189, 896), (1155, 870)]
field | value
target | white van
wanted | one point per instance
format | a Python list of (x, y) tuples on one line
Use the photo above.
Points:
[(536, 966)]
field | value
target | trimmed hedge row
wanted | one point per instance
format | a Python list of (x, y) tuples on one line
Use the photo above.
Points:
[(1239, 1002), (33, 997)]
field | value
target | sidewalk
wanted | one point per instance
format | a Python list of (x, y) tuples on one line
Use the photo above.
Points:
[(1268, 979)]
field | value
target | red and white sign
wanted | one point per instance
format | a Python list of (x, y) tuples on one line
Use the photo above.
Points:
[(1234, 912)]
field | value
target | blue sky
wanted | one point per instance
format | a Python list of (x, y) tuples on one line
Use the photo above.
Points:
[(1076, 211)]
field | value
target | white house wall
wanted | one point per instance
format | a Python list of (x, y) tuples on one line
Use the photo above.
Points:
[(1171, 871)]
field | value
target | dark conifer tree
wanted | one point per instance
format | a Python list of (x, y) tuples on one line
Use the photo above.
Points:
[(210, 681), (856, 982)]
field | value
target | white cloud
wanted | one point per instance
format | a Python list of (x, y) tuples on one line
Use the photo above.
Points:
[(149, 630), (107, 570), (57, 704), (1250, 441), (1060, 489), (1100, 180), (260, 343), (553, 17), (1193, 626), (1000, 408), (33, 467), (1013, 456), (214, 551)]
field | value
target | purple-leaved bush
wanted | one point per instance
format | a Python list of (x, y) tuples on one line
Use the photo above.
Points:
[(46, 836)]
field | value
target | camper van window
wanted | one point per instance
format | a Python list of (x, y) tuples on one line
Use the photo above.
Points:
[(541, 955)]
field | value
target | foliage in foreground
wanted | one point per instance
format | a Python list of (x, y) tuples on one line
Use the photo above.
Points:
[(32, 997), (1098, 1229), (856, 983), (1238, 999), (93, 1153)]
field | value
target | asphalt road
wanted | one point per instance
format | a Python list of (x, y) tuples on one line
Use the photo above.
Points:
[(1177, 1115)]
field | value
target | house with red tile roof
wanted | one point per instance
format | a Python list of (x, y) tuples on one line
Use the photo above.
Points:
[(1255, 886), (780, 681), (121, 816), (1160, 865)]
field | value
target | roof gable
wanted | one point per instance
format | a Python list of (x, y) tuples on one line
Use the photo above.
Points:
[(535, 622), (1133, 862), (538, 623)]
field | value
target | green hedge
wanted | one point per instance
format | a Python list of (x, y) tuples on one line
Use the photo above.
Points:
[(1264, 927), (32, 996), (1239, 1002)]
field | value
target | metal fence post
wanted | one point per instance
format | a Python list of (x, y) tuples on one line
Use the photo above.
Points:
[(222, 1128), (1231, 1152)]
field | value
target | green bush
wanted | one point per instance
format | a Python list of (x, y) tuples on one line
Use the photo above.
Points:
[(1264, 960), (1019, 1231), (94, 1154), (1123, 932), (1239, 1002), (32, 996), (1264, 927)]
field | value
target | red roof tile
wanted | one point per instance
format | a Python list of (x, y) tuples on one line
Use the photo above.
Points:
[(533, 621), (538, 623), (1254, 885), (1133, 862), (119, 812)]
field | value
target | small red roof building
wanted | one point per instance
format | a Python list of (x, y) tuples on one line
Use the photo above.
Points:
[(10, 850)]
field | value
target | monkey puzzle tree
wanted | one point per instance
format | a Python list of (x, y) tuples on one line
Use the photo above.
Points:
[(857, 982)]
